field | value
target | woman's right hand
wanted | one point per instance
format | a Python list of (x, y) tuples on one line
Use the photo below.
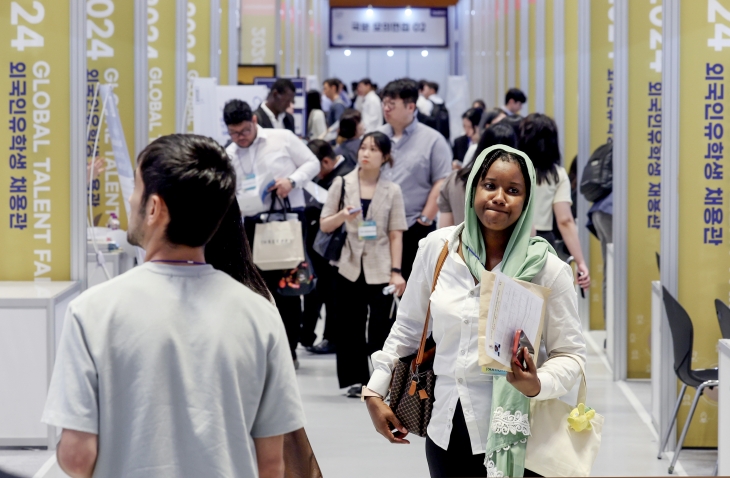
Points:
[(346, 213), (384, 420)]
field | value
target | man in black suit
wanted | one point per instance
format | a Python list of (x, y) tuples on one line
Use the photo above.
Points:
[(331, 166), (272, 113)]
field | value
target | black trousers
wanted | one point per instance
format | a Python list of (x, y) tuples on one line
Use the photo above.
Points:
[(458, 461), (323, 294), (411, 239), (357, 302), (290, 307)]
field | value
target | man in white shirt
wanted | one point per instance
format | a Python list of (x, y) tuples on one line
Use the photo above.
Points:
[(372, 108), (423, 104), (273, 112), (269, 162), (174, 369)]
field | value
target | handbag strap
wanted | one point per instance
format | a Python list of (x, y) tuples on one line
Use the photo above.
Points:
[(424, 335), (583, 388), (342, 195), (286, 205)]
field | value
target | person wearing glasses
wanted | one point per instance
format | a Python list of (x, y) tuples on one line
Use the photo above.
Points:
[(424, 161), (269, 161)]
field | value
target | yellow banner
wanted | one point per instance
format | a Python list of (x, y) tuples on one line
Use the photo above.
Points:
[(35, 191), (532, 54), (704, 261), (571, 84), (644, 181), (258, 32), (224, 39), (198, 56), (110, 60), (549, 59), (161, 54), (602, 96)]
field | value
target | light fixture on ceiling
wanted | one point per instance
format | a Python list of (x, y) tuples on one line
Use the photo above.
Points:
[(370, 11), (348, 53), (390, 53), (408, 11)]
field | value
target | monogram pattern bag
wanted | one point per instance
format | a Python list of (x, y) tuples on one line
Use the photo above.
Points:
[(411, 390)]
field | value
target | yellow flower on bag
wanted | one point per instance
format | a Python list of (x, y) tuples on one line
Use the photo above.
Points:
[(580, 418)]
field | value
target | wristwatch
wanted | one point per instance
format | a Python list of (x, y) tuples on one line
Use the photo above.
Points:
[(424, 219), (293, 183), (396, 270)]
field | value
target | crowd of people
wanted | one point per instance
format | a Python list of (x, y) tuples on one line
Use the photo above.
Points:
[(206, 350)]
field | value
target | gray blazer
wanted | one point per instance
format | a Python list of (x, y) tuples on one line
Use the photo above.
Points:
[(387, 210)]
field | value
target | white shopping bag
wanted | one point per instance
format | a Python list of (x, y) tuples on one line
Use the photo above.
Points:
[(278, 245)]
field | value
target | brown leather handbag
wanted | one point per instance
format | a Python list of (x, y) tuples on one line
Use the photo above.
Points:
[(411, 390)]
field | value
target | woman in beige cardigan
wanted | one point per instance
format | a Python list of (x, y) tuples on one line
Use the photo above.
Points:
[(374, 218)]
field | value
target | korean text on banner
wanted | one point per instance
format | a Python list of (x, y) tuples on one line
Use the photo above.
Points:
[(161, 61), (198, 56), (35, 191), (704, 260), (602, 96), (119, 145), (645, 138), (388, 27), (110, 60)]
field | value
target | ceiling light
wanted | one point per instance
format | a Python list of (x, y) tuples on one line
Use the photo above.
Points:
[(391, 53)]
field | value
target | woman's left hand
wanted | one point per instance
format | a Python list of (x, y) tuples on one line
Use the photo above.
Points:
[(584, 276), (526, 381), (399, 282)]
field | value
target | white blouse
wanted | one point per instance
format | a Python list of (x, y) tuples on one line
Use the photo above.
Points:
[(454, 325)]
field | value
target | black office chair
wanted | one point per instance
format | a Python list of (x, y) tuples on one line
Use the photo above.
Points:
[(723, 316), (682, 338)]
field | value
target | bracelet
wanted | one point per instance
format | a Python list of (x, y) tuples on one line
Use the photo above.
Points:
[(396, 270)]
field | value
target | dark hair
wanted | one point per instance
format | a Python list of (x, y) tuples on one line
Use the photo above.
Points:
[(195, 178), (481, 103), (322, 149), (422, 84), (333, 82), (236, 112), (492, 115), (314, 101), (366, 81), (515, 94), (228, 251), (506, 156), (404, 88), (474, 115), (492, 136), (434, 86), (282, 85), (513, 121), (382, 142), (348, 123), (539, 141)]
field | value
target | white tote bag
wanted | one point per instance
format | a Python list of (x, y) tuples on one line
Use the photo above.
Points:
[(278, 245), (555, 449)]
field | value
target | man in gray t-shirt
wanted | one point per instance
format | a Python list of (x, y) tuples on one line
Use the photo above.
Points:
[(422, 160), (174, 369)]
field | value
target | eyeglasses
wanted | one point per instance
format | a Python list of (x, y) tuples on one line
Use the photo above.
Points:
[(391, 104), (239, 134)]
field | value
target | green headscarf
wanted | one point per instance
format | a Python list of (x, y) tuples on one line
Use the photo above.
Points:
[(523, 259)]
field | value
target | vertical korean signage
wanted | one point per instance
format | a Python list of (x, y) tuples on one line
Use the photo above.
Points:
[(644, 176), (110, 29), (161, 58), (704, 260), (602, 97), (35, 191), (198, 54)]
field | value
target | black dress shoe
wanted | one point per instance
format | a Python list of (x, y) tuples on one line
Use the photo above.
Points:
[(324, 347)]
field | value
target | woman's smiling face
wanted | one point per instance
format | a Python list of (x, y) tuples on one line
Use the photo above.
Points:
[(500, 195)]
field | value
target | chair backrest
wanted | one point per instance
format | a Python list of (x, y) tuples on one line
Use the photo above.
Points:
[(723, 316), (682, 336)]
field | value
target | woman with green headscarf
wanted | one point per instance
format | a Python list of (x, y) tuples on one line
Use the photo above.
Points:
[(495, 236)]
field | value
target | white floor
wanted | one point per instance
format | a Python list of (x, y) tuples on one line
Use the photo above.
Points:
[(346, 444)]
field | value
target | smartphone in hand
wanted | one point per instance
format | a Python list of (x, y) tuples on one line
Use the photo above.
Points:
[(518, 346)]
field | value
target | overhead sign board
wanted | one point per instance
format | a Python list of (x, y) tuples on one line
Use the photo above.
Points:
[(389, 27)]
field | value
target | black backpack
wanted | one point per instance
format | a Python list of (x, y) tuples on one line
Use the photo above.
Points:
[(440, 117), (597, 180)]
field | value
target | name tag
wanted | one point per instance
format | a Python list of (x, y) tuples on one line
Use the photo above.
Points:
[(249, 185), (367, 231)]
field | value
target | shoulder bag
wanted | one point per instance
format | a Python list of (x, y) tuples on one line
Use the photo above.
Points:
[(411, 390), (556, 449), (329, 244), (278, 241)]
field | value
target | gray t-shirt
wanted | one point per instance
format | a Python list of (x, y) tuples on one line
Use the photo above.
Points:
[(177, 369), (421, 157)]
